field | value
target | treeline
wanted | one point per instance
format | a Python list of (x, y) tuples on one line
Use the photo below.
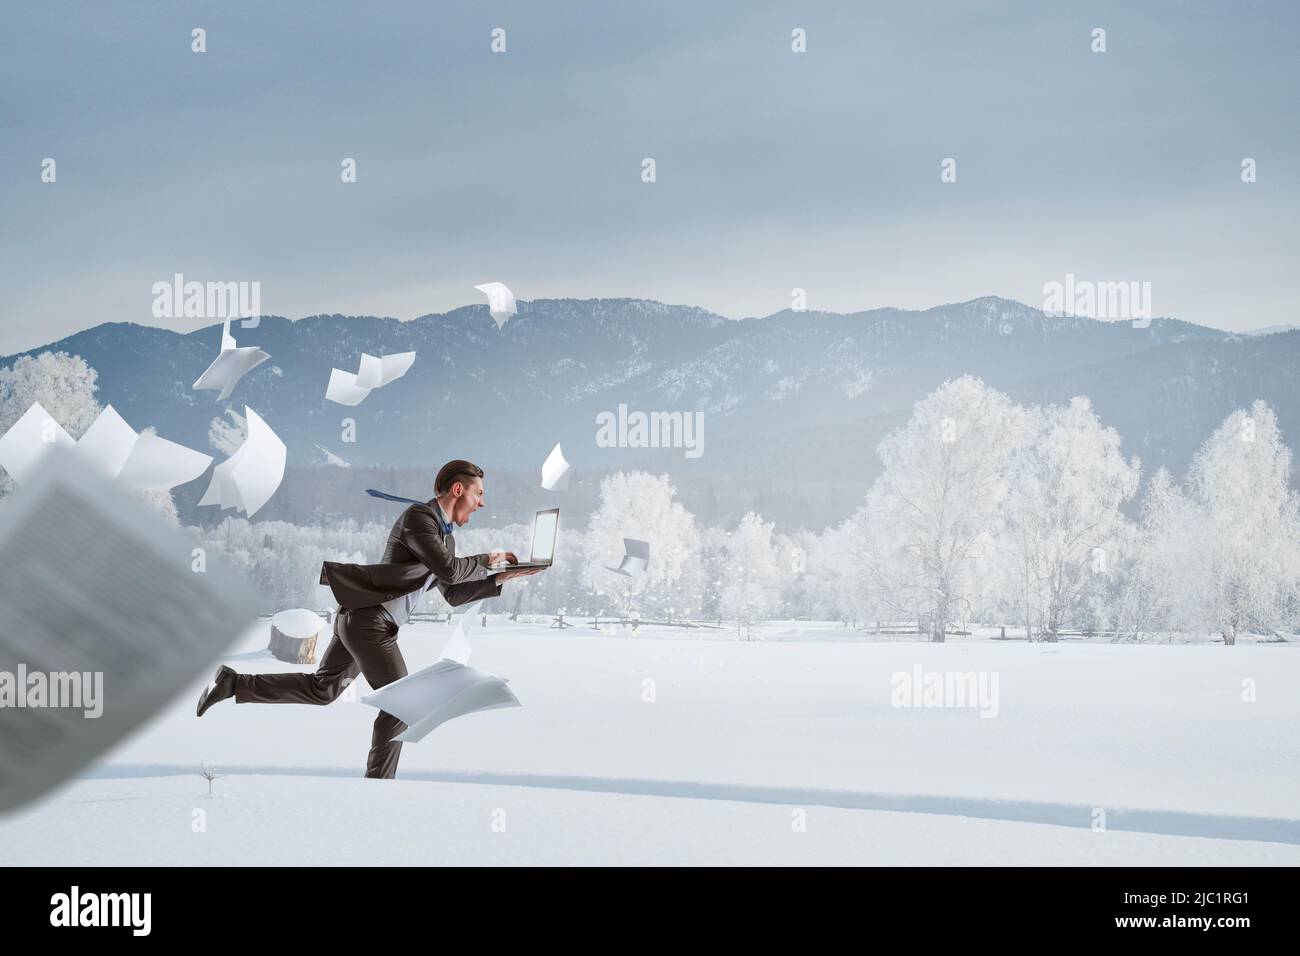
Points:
[(985, 511)]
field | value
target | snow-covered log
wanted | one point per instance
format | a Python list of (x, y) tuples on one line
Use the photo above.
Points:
[(293, 635)]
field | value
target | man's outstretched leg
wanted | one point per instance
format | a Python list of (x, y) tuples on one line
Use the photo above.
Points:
[(336, 670), (370, 636)]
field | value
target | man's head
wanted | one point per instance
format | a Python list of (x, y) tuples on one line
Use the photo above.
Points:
[(459, 490)]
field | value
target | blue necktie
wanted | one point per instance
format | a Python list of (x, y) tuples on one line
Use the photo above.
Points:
[(445, 525)]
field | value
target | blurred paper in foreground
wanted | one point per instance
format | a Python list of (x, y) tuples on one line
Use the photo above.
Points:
[(99, 597)]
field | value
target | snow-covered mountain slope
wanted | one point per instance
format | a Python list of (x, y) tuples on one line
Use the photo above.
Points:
[(813, 390)]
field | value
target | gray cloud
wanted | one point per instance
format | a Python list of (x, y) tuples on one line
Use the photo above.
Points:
[(775, 170)]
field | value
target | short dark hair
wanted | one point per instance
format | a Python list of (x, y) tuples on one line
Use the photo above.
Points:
[(454, 471)]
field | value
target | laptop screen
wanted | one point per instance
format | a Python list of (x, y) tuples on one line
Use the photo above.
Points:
[(544, 535)]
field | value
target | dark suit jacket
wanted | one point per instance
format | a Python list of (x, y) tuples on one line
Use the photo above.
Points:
[(416, 548)]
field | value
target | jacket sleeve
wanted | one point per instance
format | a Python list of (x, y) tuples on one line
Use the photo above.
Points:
[(458, 594), (438, 552)]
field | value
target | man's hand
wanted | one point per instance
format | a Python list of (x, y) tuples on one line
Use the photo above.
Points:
[(502, 557), (521, 573)]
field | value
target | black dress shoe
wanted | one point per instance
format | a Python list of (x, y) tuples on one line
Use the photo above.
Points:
[(223, 686)]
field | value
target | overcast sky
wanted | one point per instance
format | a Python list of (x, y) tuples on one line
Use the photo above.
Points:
[(775, 170)]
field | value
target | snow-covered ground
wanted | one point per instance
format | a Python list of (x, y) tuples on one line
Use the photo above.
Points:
[(700, 749)]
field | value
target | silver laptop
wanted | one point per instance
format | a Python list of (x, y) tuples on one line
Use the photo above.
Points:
[(545, 525)]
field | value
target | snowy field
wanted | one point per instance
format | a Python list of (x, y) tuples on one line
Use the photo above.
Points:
[(666, 748)]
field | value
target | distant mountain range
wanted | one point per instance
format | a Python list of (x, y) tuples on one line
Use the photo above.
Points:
[(794, 404), (1272, 330)]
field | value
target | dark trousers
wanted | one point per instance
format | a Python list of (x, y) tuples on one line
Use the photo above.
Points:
[(364, 640)]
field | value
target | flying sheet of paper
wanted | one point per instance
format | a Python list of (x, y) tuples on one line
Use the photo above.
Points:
[(457, 647), (230, 365), (555, 471), (213, 495), (248, 478), (489, 694), (113, 449), (107, 443), (29, 440), (501, 301), (376, 372), (221, 487), (343, 388), (260, 470), (109, 602), (438, 693), (636, 558), (156, 464)]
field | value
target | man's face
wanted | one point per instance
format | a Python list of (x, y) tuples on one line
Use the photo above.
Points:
[(467, 498)]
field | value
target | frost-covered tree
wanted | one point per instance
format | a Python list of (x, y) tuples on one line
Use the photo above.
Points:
[(824, 574), (939, 501), (64, 385), (641, 506), (1249, 525), (1064, 518), (798, 591), (711, 574), (563, 586), (283, 560), (860, 577), (751, 577), (1153, 584)]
